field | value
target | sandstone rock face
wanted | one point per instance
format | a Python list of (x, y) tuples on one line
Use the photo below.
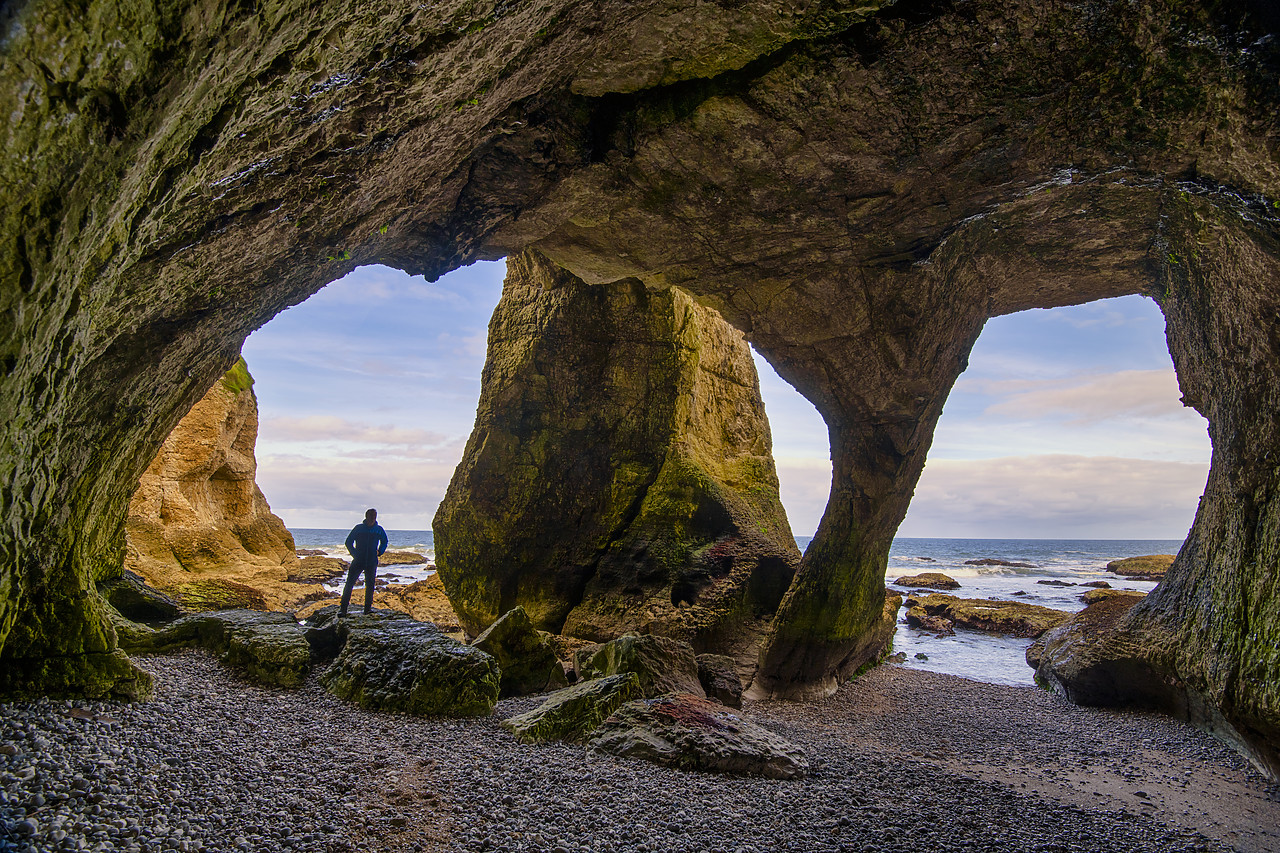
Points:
[(574, 712), (688, 732), (528, 663), (410, 667), (199, 528), (619, 476), (856, 188)]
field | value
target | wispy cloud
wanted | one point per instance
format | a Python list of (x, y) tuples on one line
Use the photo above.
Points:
[(329, 428), (1091, 398)]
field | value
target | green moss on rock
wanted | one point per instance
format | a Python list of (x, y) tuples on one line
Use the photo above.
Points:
[(574, 712)]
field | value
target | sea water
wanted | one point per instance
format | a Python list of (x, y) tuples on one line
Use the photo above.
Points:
[(971, 654)]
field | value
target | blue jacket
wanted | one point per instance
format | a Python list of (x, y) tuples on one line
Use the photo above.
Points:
[(365, 543)]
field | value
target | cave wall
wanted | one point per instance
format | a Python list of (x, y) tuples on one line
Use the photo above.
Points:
[(620, 475), (828, 177)]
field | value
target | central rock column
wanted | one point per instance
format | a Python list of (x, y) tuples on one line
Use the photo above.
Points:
[(619, 476)]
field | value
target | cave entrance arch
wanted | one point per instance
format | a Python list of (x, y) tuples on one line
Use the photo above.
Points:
[(855, 188)]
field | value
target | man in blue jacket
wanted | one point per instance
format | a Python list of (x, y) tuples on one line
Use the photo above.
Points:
[(365, 544)]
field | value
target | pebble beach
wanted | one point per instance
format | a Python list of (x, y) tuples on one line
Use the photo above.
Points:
[(901, 760)]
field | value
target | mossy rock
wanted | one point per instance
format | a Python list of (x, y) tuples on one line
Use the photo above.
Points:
[(574, 712), (412, 668), (267, 648), (529, 663), (1093, 596), (136, 601), (662, 664), (1150, 565), (210, 594)]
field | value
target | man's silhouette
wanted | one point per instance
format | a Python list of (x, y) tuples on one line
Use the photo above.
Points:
[(365, 543)]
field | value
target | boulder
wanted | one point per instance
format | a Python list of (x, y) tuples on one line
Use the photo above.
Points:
[(991, 561), (1093, 596), (137, 602), (1054, 583), (619, 477), (529, 663), (327, 634), (574, 712), (1097, 584), (1149, 567), (692, 733), (199, 528), (718, 675), (994, 616), (1089, 660), (268, 648), (919, 618), (310, 552), (662, 664), (934, 580), (411, 667), (315, 568)]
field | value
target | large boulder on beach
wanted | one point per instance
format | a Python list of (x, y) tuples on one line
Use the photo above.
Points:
[(1148, 567), (718, 675), (411, 667), (619, 477), (662, 664), (529, 664), (268, 648), (327, 634), (574, 712), (991, 615), (933, 580), (199, 529), (1090, 661), (315, 568), (692, 733)]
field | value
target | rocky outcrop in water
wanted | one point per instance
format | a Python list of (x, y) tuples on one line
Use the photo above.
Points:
[(199, 527), (619, 476), (857, 187), (983, 614)]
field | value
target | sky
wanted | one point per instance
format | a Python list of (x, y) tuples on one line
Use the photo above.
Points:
[(1066, 425)]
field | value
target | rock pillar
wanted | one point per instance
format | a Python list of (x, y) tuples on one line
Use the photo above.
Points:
[(1205, 644), (619, 476), (199, 527)]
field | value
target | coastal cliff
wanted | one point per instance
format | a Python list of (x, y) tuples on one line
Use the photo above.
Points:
[(199, 528), (620, 476)]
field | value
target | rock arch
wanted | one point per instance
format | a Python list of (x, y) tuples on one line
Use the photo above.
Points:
[(856, 188)]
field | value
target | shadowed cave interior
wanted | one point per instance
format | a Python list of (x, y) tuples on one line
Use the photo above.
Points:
[(856, 191)]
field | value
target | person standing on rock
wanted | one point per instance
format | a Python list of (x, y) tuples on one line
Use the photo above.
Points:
[(365, 544)]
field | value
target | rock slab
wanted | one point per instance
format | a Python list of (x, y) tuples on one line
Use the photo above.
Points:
[(412, 668), (718, 675), (574, 712), (691, 733), (933, 580)]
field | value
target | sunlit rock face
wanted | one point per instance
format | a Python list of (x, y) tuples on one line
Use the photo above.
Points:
[(856, 188), (620, 475), (199, 527)]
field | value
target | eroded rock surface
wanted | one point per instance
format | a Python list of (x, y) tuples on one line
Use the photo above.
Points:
[(983, 614), (691, 733), (857, 188), (199, 528), (574, 712), (662, 664), (935, 580), (619, 476), (529, 664)]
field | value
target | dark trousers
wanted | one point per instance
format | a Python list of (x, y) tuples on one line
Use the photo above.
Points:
[(352, 573)]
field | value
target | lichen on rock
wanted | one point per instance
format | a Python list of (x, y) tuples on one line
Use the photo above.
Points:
[(619, 476)]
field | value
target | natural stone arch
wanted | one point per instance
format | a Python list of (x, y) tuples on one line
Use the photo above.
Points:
[(174, 176)]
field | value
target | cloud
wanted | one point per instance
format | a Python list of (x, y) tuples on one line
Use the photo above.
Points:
[(1056, 496), (309, 492), (329, 428), (1092, 398)]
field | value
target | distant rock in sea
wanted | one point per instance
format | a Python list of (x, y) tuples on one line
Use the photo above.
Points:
[(935, 580), (1151, 567), (991, 561)]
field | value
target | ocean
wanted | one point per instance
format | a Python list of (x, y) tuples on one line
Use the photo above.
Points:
[(970, 654)]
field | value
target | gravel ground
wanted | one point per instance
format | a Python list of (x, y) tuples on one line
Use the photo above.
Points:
[(901, 761)]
